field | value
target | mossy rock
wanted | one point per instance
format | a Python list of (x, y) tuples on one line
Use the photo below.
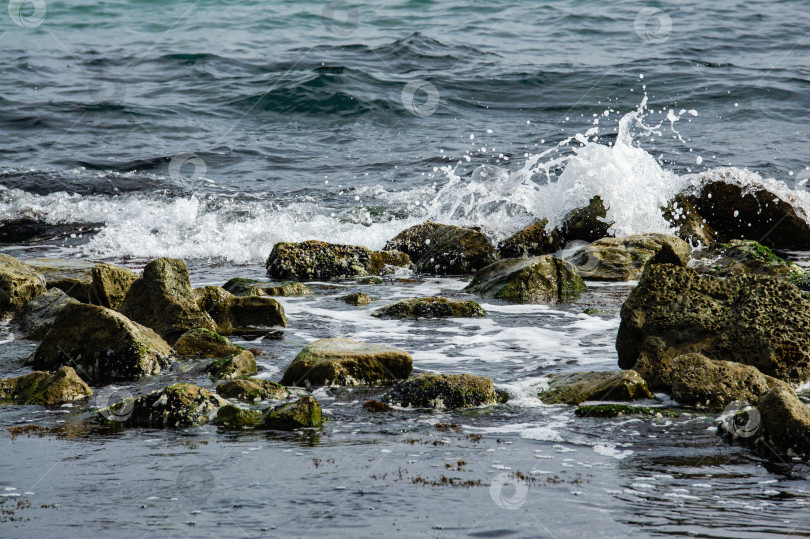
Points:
[(578, 387), (39, 387), (316, 260), (37, 318), (431, 307), (240, 364), (625, 259), (19, 284), (542, 279), (303, 413), (358, 298), (102, 345), (88, 282), (741, 257), (175, 406), (239, 286), (451, 391), (342, 361), (204, 343), (234, 418), (252, 390), (234, 314), (622, 410)]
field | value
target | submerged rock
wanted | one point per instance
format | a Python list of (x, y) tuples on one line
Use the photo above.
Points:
[(19, 284), (234, 314), (38, 316), (88, 282), (444, 249), (235, 418), (624, 259), (317, 260), (251, 390), (239, 364), (203, 343), (162, 299), (342, 361), (754, 320), (431, 307), (542, 279), (175, 406), (44, 388), (358, 298), (578, 387), (451, 391), (303, 413)]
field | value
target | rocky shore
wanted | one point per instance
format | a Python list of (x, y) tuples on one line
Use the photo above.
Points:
[(718, 321)]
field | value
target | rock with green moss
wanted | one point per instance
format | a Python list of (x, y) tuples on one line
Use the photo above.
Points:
[(234, 314), (358, 298), (19, 284), (739, 257), (578, 387), (102, 345), (750, 319), (37, 317), (444, 249), (431, 307), (234, 418), (175, 406), (163, 300), (340, 361), (450, 391), (88, 282), (622, 410), (239, 286), (252, 390), (242, 363), (39, 387), (624, 259), (204, 343), (542, 279), (317, 260), (303, 413)]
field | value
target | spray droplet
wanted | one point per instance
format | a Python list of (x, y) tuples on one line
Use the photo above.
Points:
[(699, 160)]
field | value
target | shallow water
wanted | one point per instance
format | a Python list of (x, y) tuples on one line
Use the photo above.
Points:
[(210, 130)]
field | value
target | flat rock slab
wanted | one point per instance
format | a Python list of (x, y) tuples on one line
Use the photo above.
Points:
[(576, 388), (542, 279)]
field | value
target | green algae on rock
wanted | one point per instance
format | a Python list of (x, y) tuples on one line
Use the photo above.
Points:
[(204, 343), (624, 259), (431, 307), (174, 406), (102, 345), (19, 284), (235, 418), (317, 260), (748, 257), (234, 314), (241, 363), (251, 390), (44, 388), (451, 391), (303, 413), (444, 249), (340, 361), (357, 298), (578, 387), (542, 279)]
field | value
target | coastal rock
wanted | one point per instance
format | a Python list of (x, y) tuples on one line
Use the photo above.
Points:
[(38, 316), (624, 259), (26, 229), (242, 363), (88, 282), (578, 387), (251, 390), (747, 257), (358, 298), (317, 260), (203, 343), (234, 418), (750, 319), (588, 223), (303, 413), (110, 285), (451, 391), (785, 423), (175, 406), (533, 240), (234, 314), (690, 226), (431, 307), (444, 249), (162, 299), (44, 388), (342, 361), (623, 410), (749, 212), (19, 284), (102, 345), (239, 286), (542, 279)]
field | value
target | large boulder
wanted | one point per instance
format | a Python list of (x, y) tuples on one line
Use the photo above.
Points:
[(37, 317), (19, 284), (451, 391), (102, 345), (203, 343), (303, 413), (252, 389), (444, 249), (737, 212), (239, 314), (88, 282), (39, 387), (175, 406), (542, 279), (342, 361), (624, 259), (750, 319), (578, 387), (317, 260), (163, 300), (431, 307)]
